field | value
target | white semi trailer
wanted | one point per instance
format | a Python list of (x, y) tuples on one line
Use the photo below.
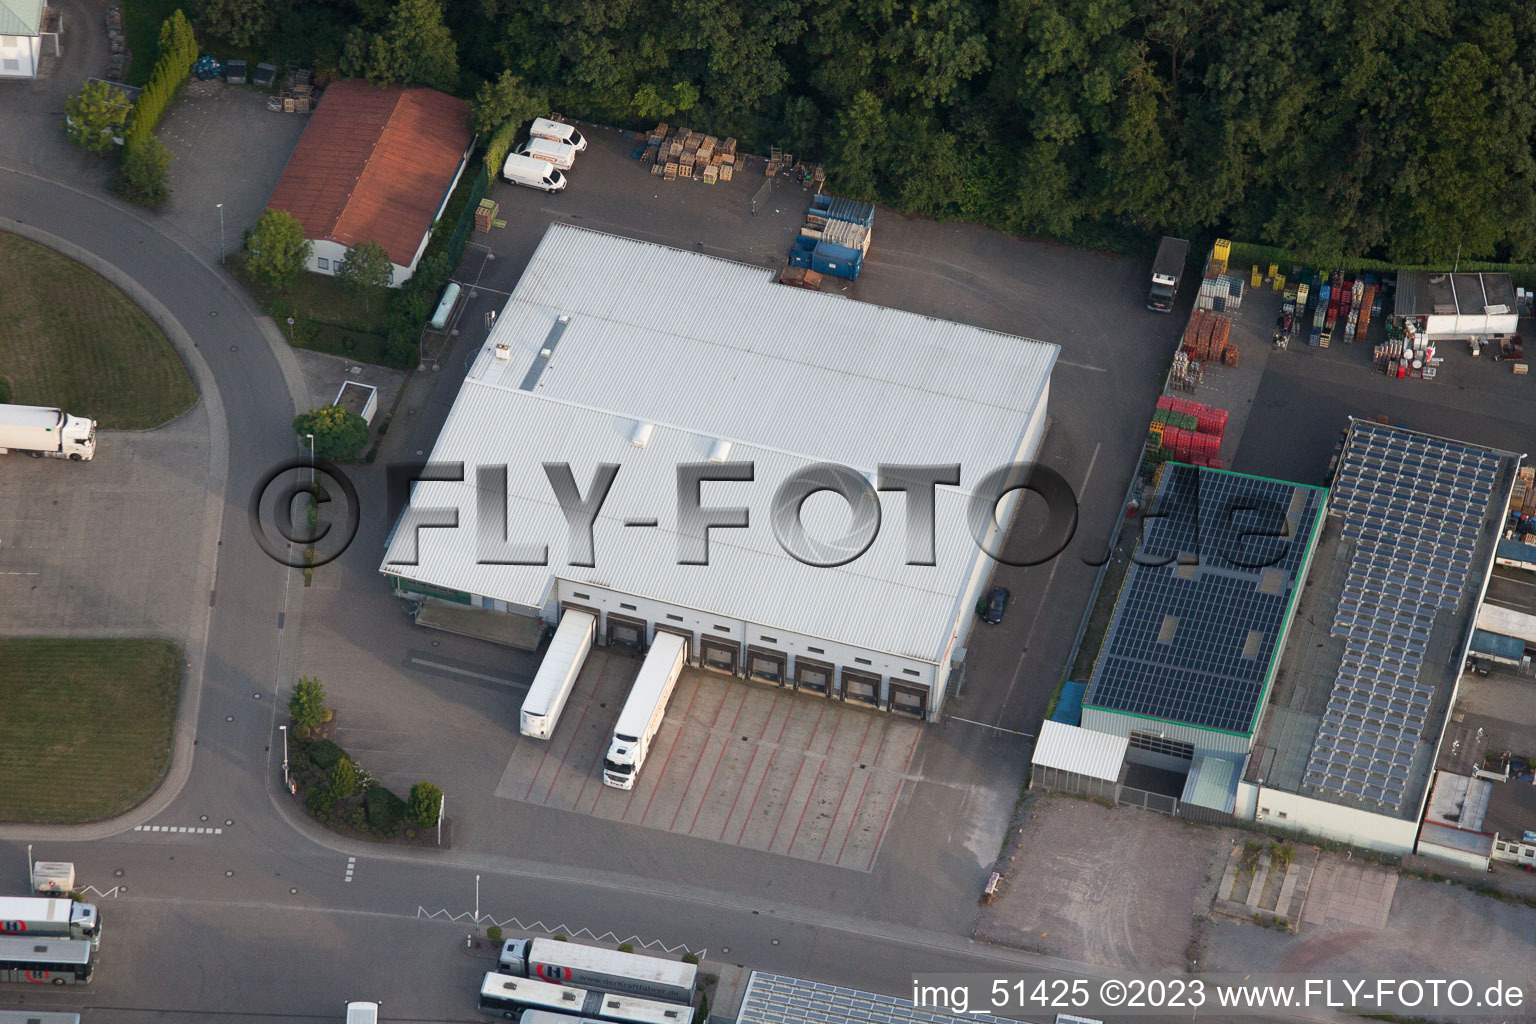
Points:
[(39, 432), (557, 674), (25, 917), (644, 710), (592, 967)]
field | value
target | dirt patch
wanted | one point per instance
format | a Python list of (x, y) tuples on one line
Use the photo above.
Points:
[(1119, 887)]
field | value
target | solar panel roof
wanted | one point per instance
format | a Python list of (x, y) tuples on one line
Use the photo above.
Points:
[(1413, 505), (1220, 553), (777, 999)]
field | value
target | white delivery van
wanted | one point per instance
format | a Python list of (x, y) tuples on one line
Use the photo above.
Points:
[(557, 153), (557, 131), (362, 1013), (525, 170)]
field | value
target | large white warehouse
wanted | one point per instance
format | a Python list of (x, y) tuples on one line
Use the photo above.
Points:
[(650, 360)]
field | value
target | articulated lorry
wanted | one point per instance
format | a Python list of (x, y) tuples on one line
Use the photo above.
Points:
[(644, 710), (25, 917), (607, 970), (40, 432), (1172, 253)]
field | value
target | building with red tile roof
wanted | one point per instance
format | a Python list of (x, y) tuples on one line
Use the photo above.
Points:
[(375, 165)]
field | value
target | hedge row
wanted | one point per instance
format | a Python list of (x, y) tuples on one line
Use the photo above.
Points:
[(374, 808), (178, 52), (1245, 254), (497, 146)]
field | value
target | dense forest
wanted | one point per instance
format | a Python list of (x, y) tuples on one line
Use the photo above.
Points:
[(1401, 129)]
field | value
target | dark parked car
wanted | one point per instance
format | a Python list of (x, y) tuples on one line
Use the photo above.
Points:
[(992, 611)]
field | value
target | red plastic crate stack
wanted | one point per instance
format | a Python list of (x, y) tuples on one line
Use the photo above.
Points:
[(1198, 447), (1206, 337)]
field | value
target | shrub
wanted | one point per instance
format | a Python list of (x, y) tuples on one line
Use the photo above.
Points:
[(142, 175), (426, 800), (324, 754), (320, 800), (494, 933), (339, 433), (306, 705), (95, 116), (343, 779), (385, 809), (690, 958), (626, 947), (275, 249)]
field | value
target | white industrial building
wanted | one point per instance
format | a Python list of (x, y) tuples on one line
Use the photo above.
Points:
[(1449, 305), (621, 352)]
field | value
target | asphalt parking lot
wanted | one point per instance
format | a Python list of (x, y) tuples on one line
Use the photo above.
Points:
[(734, 763)]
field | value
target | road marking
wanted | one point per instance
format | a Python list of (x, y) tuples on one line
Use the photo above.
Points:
[(985, 725), (351, 865), (180, 829), (23, 574), (424, 663)]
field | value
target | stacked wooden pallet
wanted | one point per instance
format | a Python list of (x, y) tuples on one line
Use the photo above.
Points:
[(682, 153)]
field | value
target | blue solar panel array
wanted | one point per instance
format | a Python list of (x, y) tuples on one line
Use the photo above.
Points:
[(776, 999), (1182, 644), (1413, 505)]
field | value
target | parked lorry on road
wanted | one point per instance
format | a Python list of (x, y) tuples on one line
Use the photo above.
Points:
[(556, 678), (525, 170), (644, 710), (362, 1012), (43, 432), (1166, 271), (52, 878), (48, 917), (557, 131), (606, 970)]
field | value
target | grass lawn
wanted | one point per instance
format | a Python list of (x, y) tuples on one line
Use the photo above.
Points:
[(141, 24), (88, 723), (70, 339)]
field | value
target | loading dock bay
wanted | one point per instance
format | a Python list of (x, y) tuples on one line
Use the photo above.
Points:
[(793, 774)]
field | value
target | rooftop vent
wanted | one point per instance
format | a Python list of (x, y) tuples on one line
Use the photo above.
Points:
[(719, 451), (641, 435)]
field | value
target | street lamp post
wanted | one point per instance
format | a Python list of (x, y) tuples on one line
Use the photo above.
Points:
[(221, 232), (311, 458), (284, 730), (477, 903)]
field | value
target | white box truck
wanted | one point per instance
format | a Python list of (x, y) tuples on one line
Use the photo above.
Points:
[(606, 970), (557, 153), (23, 917), (644, 710), (525, 170), (557, 131), (556, 678), (40, 432), (52, 878)]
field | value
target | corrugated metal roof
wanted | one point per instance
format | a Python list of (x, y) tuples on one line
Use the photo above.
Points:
[(1212, 783), (777, 999), (1069, 748), (708, 350), (1517, 551), (20, 17), (1508, 647), (1453, 838)]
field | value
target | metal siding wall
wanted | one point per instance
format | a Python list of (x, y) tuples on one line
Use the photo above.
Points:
[(1204, 740), (1334, 821)]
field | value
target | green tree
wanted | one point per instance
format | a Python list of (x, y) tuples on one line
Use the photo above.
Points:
[(339, 433), (422, 807), (95, 115), (276, 249), (365, 269), (507, 99), (306, 706), (415, 48), (343, 779), (142, 175), (241, 22)]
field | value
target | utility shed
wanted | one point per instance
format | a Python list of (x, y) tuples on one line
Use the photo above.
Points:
[(1457, 305), (618, 352)]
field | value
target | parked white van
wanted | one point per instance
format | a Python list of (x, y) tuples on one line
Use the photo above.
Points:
[(557, 131), (525, 170), (362, 1013), (557, 153)]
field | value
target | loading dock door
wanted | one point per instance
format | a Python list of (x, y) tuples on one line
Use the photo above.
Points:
[(814, 676), (909, 698), (718, 655), (767, 666), (626, 632), (863, 687)]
